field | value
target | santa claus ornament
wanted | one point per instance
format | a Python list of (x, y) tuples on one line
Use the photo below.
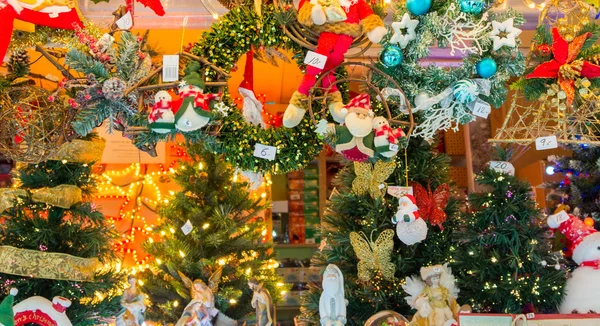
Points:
[(338, 22), (410, 227), (584, 285)]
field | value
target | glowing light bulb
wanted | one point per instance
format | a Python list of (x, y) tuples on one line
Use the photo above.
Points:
[(181, 254), (550, 170)]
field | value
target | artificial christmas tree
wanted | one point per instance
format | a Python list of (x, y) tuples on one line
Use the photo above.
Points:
[(55, 241), (505, 262), (211, 233)]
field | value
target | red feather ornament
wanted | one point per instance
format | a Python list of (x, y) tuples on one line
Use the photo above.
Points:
[(432, 204)]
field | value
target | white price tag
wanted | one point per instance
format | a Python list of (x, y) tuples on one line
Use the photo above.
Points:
[(125, 22), (265, 152), (548, 142), (187, 227), (482, 109), (561, 216), (393, 147), (170, 70), (530, 315), (316, 60), (398, 192), (381, 186), (502, 166)]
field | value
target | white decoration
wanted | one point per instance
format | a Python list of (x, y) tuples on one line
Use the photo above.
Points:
[(34, 306), (187, 227), (315, 59), (255, 179), (410, 228), (182, 83), (461, 33), (403, 38), (332, 304), (252, 108), (508, 28), (222, 109), (322, 127), (170, 69), (265, 152)]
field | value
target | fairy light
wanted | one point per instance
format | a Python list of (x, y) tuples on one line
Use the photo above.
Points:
[(175, 303), (205, 226)]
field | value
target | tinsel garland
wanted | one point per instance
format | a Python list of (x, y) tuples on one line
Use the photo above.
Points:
[(43, 35)]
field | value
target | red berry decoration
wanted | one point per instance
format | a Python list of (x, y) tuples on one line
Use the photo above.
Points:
[(544, 49)]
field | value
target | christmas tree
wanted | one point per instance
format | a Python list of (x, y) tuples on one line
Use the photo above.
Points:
[(349, 212), (224, 244), (54, 239), (505, 259), (580, 188)]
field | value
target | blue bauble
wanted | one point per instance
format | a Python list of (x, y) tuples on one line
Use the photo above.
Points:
[(486, 68), (465, 91), (474, 7), (418, 7), (391, 56)]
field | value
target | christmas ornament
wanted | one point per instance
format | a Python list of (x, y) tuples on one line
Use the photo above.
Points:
[(386, 136), (418, 7), (544, 49), (263, 303), (7, 316), (433, 295), (40, 311), (161, 119), (113, 89), (410, 227), (332, 303), (133, 305), (252, 107), (564, 66), (400, 37), (371, 179), (18, 64), (335, 39), (374, 256), (504, 34), (391, 56), (584, 282), (432, 204), (465, 91), (474, 7), (486, 68), (387, 318)]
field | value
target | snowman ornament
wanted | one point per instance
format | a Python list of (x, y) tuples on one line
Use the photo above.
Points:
[(583, 287), (410, 227), (386, 138), (161, 118)]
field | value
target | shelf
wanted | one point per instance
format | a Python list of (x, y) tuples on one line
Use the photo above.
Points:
[(288, 308), (296, 245)]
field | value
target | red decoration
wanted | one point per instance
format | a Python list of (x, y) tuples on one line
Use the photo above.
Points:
[(34, 317), (544, 49), (564, 56), (432, 205)]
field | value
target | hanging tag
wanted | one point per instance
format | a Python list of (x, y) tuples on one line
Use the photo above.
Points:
[(398, 191), (125, 22), (170, 71), (105, 42), (187, 227), (501, 166), (316, 60), (548, 142), (265, 152), (394, 147), (561, 216), (482, 109)]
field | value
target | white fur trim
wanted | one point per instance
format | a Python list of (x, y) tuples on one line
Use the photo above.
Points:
[(62, 301), (587, 250), (14, 291), (377, 34)]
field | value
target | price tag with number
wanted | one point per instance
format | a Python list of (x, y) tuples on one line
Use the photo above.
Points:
[(482, 109), (398, 192), (561, 216), (265, 152), (393, 147), (170, 68), (548, 142), (187, 227), (316, 60), (125, 22), (501, 166)]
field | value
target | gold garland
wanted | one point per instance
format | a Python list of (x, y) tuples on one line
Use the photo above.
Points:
[(47, 265), (80, 151), (63, 196)]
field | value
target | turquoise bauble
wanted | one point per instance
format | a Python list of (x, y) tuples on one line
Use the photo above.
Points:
[(486, 68), (474, 7), (465, 91), (391, 56), (418, 7)]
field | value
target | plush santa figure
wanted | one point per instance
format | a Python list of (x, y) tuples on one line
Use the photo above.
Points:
[(410, 227), (32, 309), (385, 136), (51, 13), (252, 107), (161, 118), (338, 22), (332, 304), (195, 109), (584, 286)]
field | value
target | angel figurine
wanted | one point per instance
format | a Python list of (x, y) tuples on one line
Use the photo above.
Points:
[(434, 297), (263, 303), (201, 310), (132, 302)]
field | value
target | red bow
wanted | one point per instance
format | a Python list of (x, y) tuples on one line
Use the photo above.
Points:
[(392, 134), (595, 264)]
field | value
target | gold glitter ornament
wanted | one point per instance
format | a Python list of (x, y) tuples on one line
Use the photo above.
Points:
[(371, 179), (374, 256)]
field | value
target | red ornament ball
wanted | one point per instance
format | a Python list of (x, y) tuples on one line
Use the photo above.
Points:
[(544, 49)]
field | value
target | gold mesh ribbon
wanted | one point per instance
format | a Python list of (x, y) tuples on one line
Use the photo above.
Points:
[(63, 196), (48, 265), (371, 179), (9, 196), (82, 151)]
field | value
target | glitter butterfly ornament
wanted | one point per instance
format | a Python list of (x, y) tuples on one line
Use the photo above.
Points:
[(371, 178), (432, 204), (374, 256)]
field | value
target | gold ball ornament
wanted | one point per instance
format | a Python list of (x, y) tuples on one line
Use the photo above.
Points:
[(569, 37)]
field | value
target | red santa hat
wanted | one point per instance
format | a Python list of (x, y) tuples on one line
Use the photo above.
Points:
[(60, 304), (360, 104), (580, 237), (407, 205), (248, 82)]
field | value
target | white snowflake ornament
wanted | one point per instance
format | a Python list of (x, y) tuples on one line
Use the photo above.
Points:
[(504, 33), (222, 109), (405, 24)]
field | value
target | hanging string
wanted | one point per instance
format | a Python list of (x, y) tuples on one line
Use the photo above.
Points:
[(183, 26), (406, 164)]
